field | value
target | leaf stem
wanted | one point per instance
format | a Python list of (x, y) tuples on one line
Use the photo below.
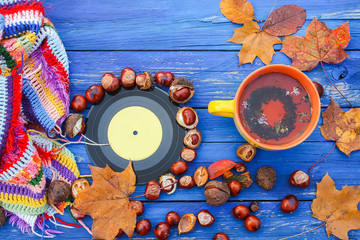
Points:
[(304, 232), (143, 195), (269, 14), (323, 157), (334, 85)]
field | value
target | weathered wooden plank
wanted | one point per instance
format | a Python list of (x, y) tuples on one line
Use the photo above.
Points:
[(174, 25), (216, 75), (284, 162), (274, 223)]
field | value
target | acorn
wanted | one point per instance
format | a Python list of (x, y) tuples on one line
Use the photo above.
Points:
[(181, 90), (187, 117)]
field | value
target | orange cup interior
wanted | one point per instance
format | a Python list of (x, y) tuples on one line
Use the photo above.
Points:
[(304, 81)]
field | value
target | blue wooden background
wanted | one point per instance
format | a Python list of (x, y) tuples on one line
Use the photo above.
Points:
[(189, 38)]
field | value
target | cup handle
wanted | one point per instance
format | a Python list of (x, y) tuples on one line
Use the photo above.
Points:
[(222, 108)]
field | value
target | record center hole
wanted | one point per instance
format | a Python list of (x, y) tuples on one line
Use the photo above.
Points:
[(135, 133)]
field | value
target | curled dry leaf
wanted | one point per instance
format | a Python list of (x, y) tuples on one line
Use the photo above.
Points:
[(217, 168), (343, 128), (285, 20), (237, 11), (255, 43), (338, 209), (107, 202), (320, 44)]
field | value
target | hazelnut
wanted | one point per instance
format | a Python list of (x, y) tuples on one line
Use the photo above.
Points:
[(201, 176), (181, 90), (186, 182), (187, 118), (187, 223), (193, 138), (127, 77), (216, 193), (110, 83), (74, 125), (266, 178), (188, 154), (144, 81), (246, 152), (227, 175), (167, 183)]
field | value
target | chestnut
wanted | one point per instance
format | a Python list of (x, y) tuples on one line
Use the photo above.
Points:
[(254, 206), (319, 88), (240, 167), (187, 117), (74, 125), (152, 190), (76, 213), (172, 218), (246, 152), (144, 81), (138, 207), (205, 218), (252, 223), (162, 231), (58, 191), (94, 93), (201, 176), (186, 182), (78, 103), (227, 175), (110, 83), (299, 179), (181, 90), (167, 183), (143, 227), (164, 78), (193, 138), (240, 211), (188, 154), (235, 188), (120, 233), (187, 223), (127, 77), (180, 167), (79, 185), (220, 236), (289, 204)]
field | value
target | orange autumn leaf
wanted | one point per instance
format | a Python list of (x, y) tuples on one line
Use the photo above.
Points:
[(337, 208), (341, 127), (107, 202), (320, 44), (255, 43), (237, 11)]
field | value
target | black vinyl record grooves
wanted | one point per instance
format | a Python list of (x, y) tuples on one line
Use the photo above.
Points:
[(170, 140)]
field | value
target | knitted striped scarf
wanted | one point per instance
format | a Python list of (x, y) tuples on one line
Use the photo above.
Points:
[(34, 89)]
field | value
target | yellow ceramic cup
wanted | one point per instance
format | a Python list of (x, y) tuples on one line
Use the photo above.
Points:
[(230, 108)]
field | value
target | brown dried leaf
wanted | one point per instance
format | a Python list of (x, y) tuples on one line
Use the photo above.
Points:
[(343, 128), (320, 44), (285, 20), (338, 209), (237, 11), (107, 202), (255, 43)]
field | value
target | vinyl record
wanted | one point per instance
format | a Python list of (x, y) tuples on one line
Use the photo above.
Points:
[(139, 126)]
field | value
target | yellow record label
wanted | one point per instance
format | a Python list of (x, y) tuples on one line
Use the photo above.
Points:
[(135, 133)]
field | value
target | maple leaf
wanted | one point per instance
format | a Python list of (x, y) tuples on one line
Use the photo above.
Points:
[(338, 209), (107, 202), (285, 20), (237, 11), (341, 127), (255, 43), (320, 44)]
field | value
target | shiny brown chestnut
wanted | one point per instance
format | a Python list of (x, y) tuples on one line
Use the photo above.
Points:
[(289, 204), (201, 176), (152, 190), (127, 77), (205, 218), (143, 227), (220, 236), (187, 117), (186, 182), (246, 152), (78, 103), (240, 211), (110, 83), (144, 81), (164, 78), (162, 231), (138, 207), (180, 167), (193, 138), (319, 88), (240, 167), (299, 179), (188, 154), (252, 223), (172, 218), (235, 188), (94, 93), (181, 90), (120, 233)]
